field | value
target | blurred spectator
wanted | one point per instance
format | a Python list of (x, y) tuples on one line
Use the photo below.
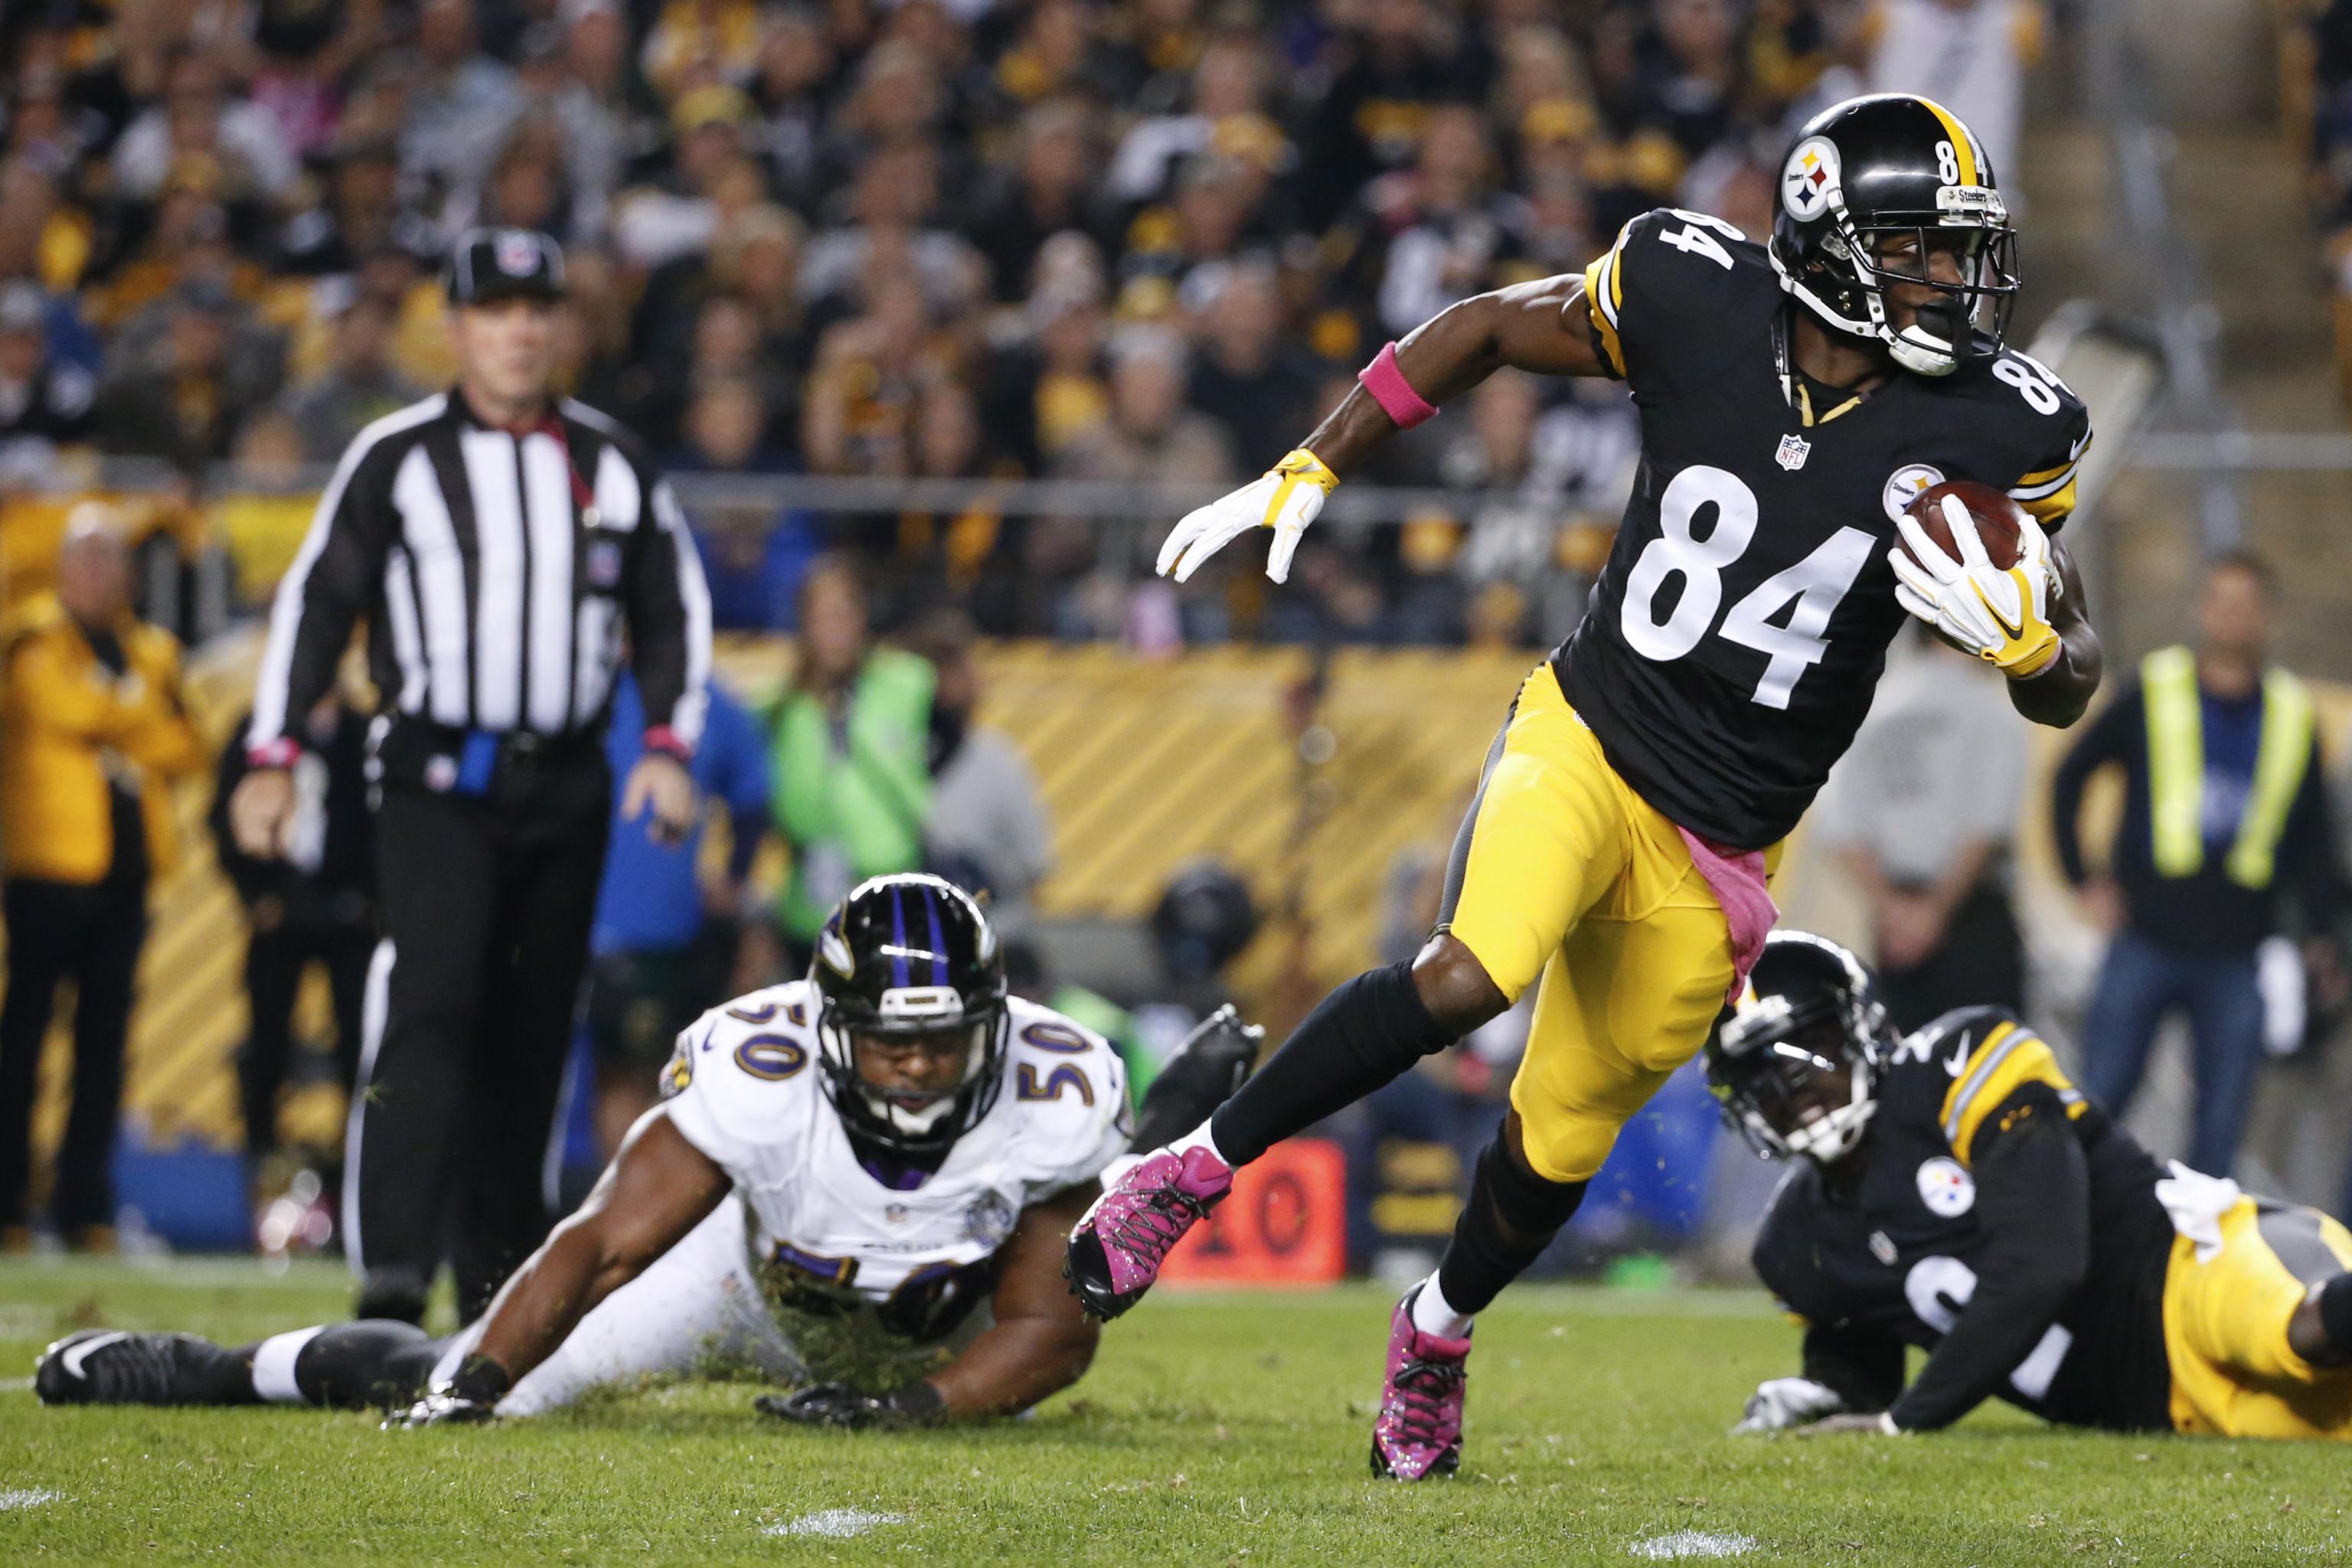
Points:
[(889, 226), (317, 905), (707, 180), (198, 384), (456, 103), (1249, 375), (201, 130), (93, 735), (665, 942), (1227, 116), (2225, 818), (1439, 232), (1045, 192), (1970, 55), (358, 212), (850, 757), (45, 402), (358, 386), (989, 830), (1150, 437), (1921, 812), (721, 36)]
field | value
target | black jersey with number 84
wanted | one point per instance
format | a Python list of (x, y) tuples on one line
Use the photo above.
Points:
[(1735, 637)]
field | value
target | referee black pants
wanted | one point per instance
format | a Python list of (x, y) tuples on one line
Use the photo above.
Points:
[(486, 911)]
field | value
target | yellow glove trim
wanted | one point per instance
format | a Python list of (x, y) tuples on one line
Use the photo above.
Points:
[(2028, 648), (1300, 466)]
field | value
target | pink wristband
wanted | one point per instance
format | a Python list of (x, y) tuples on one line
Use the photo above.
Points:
[(1395, 395)]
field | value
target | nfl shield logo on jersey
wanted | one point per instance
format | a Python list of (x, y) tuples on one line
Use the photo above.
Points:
[(1794, 450)]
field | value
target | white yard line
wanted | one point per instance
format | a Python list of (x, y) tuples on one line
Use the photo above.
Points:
[(1683, 1543), (16, 1499), (836, 1523)]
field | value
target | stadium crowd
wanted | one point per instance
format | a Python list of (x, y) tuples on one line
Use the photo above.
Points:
[(1133, 242)]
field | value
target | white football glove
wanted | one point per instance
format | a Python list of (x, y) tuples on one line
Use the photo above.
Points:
[(1783, 1403), (1285, 498), (2002, 617)]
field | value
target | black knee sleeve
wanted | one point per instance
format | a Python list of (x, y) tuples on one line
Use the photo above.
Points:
[(2336, 1318), (373, 1363), (1365, 1034), (1512, 1215)]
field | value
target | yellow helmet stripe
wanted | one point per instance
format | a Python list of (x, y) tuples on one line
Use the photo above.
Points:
[(1964, 146)]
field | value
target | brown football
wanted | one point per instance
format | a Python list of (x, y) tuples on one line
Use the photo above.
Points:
[(2000, 521)]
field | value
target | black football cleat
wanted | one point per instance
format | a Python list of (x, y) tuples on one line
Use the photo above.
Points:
[(115, 1366)]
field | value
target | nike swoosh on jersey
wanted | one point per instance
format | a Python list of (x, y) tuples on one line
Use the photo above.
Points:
[(1960, 1062), (77, 1355)]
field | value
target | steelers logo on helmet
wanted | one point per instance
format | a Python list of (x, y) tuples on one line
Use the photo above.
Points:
[(1809, 179), (1907, 484), (1946, 1187)]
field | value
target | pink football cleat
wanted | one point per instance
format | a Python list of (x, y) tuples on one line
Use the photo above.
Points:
[(1115, 1250), (1419, 1432)]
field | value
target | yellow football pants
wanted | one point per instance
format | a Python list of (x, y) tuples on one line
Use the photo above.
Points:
[(2225, 1320), (1563, 873)]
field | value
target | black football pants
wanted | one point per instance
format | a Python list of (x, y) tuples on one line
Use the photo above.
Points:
[(486, 912), (91, 934)]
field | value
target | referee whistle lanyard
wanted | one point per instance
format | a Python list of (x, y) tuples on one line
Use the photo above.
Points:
[(550, 424)]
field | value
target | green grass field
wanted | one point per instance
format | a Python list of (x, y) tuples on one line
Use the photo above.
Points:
[(1213, 1430)]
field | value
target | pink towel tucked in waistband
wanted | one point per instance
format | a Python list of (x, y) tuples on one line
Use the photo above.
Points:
[(1737, 879)]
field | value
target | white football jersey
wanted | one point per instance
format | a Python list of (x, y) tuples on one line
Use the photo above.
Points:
[(744, 1087)]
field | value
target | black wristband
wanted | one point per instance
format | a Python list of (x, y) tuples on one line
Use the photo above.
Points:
[(917, 1401), (481, 1379)]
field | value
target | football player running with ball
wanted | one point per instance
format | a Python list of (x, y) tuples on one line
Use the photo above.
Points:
[(857, 1184), (1794, 398), (1952, 1190)]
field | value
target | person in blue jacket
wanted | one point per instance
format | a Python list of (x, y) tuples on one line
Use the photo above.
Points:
[(664, 946)]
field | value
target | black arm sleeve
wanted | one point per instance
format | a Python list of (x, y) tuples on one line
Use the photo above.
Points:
[(669, 618), (1864, 1365), (2109, 739), (335, 577), (2034, 1203)]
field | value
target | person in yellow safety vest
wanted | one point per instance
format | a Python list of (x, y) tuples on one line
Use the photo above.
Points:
[(850, 757), (2225, 820)]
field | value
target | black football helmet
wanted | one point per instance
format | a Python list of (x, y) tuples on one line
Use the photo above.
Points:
[(905, 957), (1794, 1062), (1874, 189)]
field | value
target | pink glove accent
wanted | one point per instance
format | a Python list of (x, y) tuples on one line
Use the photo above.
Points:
[(1395, 395), (1735, 877)]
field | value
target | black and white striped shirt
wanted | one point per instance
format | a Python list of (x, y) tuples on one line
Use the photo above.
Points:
[(497, 573)]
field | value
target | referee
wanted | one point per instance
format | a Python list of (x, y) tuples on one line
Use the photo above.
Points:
[(504, 547)]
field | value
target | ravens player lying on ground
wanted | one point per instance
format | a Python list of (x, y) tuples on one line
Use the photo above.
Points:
[(1794, 398), (844, 1171), (1952, 1190)]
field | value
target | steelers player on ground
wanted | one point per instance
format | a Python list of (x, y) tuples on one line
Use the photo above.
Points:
[(1794, 397), (857, 1184), (1952, 1190)]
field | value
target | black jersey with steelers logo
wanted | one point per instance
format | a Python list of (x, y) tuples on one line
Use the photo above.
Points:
[(1883, 1249), (1735, 637)]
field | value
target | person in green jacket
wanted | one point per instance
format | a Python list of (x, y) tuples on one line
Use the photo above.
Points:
[(853, 785)]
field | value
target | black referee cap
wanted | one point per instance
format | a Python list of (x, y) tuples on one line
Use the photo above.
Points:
[(505, 264)]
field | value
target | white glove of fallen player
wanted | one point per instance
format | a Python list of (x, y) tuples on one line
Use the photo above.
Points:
[(2002, 616), (1285, 498), (1786, 1401)]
